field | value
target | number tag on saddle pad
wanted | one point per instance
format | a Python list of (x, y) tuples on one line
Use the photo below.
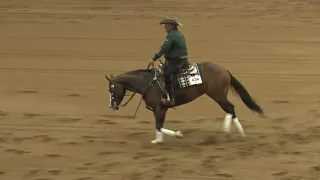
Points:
[(189, 80), (194, 80)]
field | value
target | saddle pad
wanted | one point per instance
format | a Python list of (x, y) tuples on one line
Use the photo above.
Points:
[(190, 79)]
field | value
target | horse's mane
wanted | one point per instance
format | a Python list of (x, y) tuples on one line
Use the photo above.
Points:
[(141, 71), (138, 71)]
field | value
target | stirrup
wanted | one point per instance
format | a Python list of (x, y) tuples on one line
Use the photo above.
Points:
[(168, 101)]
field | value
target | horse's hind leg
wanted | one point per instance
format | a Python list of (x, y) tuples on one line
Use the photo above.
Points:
[(231, 116)]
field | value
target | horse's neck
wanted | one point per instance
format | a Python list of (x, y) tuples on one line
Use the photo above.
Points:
[(134, 83)]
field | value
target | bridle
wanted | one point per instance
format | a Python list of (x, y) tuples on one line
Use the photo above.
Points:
[(151, 84), (123, 105), (115, 104)]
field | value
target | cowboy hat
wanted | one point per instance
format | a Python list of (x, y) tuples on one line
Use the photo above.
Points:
[(171, 20)]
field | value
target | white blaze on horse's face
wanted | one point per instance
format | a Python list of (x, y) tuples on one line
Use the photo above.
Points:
[(110, 99), (111, 95)]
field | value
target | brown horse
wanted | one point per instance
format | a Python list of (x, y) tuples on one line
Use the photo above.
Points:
[(201, 78)]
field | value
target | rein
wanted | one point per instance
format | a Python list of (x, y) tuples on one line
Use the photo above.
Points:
[(136, 93), (151, 84)]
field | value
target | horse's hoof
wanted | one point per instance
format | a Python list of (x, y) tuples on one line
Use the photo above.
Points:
[(156, 141), (227, 130), (179, 135)]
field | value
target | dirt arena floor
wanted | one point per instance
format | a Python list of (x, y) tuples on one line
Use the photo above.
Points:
[(55, 121)]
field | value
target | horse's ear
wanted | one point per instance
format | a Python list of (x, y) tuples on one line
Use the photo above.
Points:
[(112, 76), (107, 78)]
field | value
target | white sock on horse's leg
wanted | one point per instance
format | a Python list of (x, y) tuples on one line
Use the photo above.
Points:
[(239, 127), (168, 132), (172, 133), (227, 123), (159, 137)]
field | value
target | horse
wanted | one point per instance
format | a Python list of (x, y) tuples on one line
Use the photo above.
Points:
[(189, 84)]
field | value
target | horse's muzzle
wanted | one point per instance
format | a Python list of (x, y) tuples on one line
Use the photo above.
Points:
[(114, 107)]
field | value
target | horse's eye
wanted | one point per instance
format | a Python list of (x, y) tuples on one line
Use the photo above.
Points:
[(112, 86)]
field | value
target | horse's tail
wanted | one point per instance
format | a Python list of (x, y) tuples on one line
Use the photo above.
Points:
[(244, 95)]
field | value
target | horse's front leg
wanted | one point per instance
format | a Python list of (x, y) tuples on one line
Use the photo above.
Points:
[(160, 114)]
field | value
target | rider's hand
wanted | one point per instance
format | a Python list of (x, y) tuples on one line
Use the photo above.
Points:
[(151, 62)]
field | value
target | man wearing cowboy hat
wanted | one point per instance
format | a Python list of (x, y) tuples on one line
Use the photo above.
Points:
[(175, 52)]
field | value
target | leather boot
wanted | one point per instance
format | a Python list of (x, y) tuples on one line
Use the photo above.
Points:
[(172, 94), (168, 88), (167, 100)]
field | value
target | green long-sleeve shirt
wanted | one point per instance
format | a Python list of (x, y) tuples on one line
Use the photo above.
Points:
[(173, 47)]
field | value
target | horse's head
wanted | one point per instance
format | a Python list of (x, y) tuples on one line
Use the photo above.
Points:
[(116, 91)]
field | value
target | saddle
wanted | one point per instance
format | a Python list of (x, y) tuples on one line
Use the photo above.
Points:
[(185, 71), (190, 70), (183, 78)]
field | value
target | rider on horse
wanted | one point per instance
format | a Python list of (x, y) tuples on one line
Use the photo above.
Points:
[(175, 52)]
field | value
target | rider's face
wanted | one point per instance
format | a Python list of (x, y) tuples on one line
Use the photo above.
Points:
[(168, 27)]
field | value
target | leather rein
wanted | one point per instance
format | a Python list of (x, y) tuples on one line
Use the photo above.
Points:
[(135, 92)]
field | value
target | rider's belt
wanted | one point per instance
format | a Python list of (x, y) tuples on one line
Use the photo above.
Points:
[(178, 58), (183, 57)]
